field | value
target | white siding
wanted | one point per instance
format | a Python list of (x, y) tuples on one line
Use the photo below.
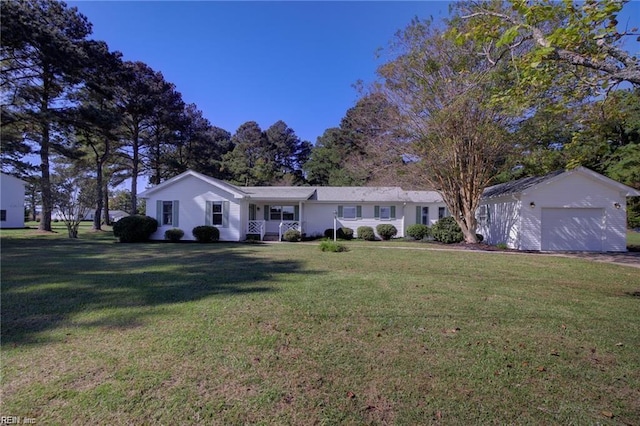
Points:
[(412, 216), (503, 223), (12, 201), (193, 194)]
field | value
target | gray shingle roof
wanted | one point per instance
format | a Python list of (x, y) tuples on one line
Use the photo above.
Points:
[(301, 193), (357, 193), (517, 186)]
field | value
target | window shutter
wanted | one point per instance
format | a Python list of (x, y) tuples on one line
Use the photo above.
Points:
[(488, 214), (159, 212), (296, 212), (358, 212), (418, 214), (266, 212), (208, 216), (340, 210), (225, 214), (176, 210), (376, 212), (393, 212)]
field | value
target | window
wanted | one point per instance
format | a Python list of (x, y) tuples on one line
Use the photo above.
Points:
[(3, 215), (167, 213), (216, 212), (425, 216), (349, 212), (275, 213), (280, 213), (483, 214), (288, 213), (442, 212), (384, 212)]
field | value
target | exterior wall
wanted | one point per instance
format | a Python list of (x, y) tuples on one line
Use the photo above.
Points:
[(319, 216), (577, 191), (12, 201), (502, 224), (193, 194), (412, 215)]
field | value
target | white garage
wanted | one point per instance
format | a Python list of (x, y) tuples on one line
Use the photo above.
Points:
[(572, 229), (575, 210)]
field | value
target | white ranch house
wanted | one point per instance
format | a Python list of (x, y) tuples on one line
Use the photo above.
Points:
[(575, 210), (11, 202), (192, 199)]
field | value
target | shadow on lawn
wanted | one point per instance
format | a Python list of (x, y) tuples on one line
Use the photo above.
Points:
[(44, 283)]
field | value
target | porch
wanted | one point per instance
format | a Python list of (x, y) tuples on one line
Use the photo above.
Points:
[(274, 230)]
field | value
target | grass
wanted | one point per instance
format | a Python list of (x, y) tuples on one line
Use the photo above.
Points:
[(98, 332), (633, 240)]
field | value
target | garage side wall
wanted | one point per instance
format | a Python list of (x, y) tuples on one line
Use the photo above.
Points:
[(500, 223), (575, 191)]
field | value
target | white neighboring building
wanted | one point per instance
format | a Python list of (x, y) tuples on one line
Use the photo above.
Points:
[(576, 210), (11, 202)]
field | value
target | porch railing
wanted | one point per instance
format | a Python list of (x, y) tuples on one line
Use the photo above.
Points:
[(257, 227), (285, 226)]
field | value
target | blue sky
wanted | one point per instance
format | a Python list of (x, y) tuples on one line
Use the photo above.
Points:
[(265, 61), (260, 61)]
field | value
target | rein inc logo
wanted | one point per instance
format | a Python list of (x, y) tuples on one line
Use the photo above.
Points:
[(17, 420)]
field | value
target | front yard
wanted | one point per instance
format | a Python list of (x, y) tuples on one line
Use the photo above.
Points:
[(97, 332)]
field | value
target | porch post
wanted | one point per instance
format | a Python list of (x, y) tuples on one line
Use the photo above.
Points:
[(300, 213)]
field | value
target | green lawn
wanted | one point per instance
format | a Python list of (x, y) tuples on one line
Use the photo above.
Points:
[(97, 332), (633, 239)]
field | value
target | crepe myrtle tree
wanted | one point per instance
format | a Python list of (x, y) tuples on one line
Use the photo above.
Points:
[(456, 138)]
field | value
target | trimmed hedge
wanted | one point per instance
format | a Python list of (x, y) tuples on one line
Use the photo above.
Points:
[(292, 236), (418, 231), (135, 228), (206, 234), (174, 235), (386, 231), (366, 233), (447, 231), (343, 233)]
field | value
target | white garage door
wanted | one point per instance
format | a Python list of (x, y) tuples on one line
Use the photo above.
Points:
[(572, 229)]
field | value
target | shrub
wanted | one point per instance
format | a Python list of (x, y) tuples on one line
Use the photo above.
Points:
[(174, 235), (447, 231), (366, 233), (418, 231), (206, 234), (502, 246), (292, 235), (135, 229), (386, 231), (342, 233), (332, 247), (345, 233)]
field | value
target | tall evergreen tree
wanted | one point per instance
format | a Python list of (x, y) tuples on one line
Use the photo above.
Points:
[(42, 58)]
